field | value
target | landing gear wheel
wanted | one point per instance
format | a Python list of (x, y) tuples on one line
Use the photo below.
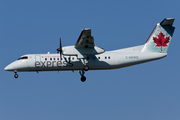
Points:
[(83, 78), (86, 67), (16, 75)]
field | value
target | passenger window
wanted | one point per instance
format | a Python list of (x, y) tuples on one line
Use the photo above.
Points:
[(105, 57), (50, 58), (54, 58), (98, 57), (57, 58), (45, 58), (109, 57)]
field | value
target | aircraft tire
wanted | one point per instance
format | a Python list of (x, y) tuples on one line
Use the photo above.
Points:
[(83, 78), (16, 75)]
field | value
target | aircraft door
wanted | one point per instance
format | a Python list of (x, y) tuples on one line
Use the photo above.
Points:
[(37, 60)]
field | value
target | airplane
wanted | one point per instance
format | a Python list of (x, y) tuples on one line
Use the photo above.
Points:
[(85, 55)]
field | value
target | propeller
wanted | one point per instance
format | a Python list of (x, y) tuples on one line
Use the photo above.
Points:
[(59, 50)]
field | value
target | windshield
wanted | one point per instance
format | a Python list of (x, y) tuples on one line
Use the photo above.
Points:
[(24, 57)]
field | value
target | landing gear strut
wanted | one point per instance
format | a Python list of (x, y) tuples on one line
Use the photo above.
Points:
[(16, 75), (84, 62), (83, 78)]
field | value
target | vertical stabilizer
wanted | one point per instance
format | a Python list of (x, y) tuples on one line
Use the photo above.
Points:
[(160, 38)]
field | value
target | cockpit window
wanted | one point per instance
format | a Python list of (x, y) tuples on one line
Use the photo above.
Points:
[(24, 57)]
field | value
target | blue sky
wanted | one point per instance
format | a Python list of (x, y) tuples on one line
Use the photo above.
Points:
[(144, 92)]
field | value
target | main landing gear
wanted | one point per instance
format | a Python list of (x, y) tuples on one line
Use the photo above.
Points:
[(15, 75), (85, 68), (81, 72), (83, 78)]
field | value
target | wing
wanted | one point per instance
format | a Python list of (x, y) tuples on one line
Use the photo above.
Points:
[(84, 46), (85, 39)]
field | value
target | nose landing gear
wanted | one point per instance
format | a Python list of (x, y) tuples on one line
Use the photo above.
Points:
[(15, 75)]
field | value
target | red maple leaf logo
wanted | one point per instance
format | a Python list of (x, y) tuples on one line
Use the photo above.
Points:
[(161, 41)]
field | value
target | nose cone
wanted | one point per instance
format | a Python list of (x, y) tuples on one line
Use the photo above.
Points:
[(10, 67)]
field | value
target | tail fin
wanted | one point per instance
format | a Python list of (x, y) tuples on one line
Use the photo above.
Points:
[(160, 38)]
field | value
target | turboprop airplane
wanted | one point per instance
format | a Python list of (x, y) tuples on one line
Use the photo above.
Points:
[(85, 55)]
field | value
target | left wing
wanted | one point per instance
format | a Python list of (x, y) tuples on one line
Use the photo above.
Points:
[(85, 39)]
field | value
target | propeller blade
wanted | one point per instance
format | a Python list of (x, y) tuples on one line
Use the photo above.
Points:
[(59, 50), (60, 44)]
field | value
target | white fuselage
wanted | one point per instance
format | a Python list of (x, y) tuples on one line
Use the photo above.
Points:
[(107, 60)]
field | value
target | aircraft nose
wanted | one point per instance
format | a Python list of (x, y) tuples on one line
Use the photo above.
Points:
[(9, 68)]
